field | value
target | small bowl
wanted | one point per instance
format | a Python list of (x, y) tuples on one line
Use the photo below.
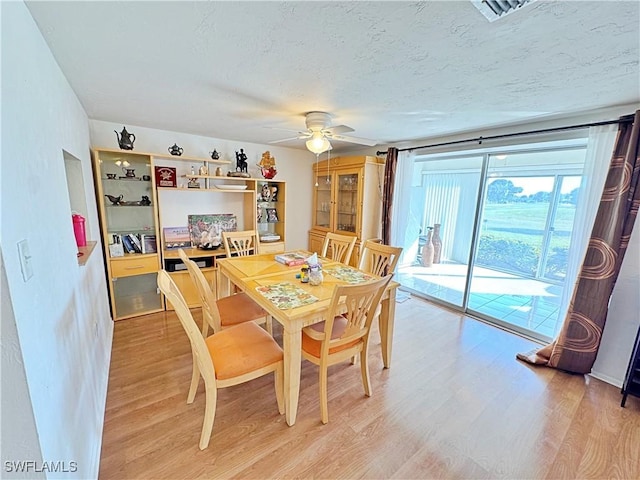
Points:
[(209, 247)]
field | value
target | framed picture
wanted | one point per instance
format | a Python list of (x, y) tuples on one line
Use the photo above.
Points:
[(208, 228), (166, 177), (176, 237), (272, 215)]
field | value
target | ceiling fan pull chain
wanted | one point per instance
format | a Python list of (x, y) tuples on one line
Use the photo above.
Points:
[(328, 162), (317, 172)]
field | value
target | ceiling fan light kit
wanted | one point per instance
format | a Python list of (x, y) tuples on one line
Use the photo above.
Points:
[(319, 132), (318, 143)]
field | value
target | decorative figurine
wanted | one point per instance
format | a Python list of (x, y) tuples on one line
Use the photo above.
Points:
[(241, 162), (267, 165), (214, 155), (145, 201), (125, 139), (115, 200), (203, 170), (175, 150), (266, 193), (274, 194)]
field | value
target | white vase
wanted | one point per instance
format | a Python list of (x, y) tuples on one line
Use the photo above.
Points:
[(427, 251)]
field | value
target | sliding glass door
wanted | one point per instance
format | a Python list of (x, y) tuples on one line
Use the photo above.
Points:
[(500, 226), (446, 193)]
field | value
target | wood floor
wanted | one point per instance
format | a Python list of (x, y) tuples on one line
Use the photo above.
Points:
[(455, 404)]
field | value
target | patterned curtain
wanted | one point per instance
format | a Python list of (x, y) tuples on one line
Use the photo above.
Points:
[(577, 345), (387, 196)]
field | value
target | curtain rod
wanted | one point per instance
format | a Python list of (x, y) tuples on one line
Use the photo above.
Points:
[(480, 139)]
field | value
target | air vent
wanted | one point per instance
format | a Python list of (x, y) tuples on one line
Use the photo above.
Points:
[(495, 9)]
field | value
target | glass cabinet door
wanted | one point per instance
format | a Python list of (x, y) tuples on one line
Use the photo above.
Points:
[(347, 201), (322, 209), (126, 184)]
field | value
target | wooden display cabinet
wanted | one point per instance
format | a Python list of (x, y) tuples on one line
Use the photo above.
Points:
[(271, 214), (347, 200), (139, 206), (128, 216)]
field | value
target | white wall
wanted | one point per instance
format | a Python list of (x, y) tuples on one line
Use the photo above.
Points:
[(623, 319), (293, 165), (61, 313)]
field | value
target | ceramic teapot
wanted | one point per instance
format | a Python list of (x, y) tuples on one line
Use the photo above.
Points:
[(129, 172), (175, 150), (125, 139)]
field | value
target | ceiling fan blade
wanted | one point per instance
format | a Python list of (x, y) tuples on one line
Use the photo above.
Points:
[(284, 140), (283, 129), (338, 129), (360, 141), (302, 136)]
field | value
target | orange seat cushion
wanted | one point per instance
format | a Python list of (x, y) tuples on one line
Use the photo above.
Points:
[(239, 308), (312, 346), (242, 349)]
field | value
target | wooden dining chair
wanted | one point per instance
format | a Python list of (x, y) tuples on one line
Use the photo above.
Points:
[(342, 336), (378, 258), (241, 244), (221, 313), (340, 246), (229, 357)]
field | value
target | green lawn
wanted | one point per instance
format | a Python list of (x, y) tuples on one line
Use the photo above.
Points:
[(511, 237), (526, 216)]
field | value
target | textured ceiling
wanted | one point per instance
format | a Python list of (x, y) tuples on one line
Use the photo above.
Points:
[(392, 71)]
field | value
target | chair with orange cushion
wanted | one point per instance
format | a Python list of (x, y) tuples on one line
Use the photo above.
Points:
[(229, 357), (338, 247), (378, 258), (341, 336), (241, 243), (222, 313)]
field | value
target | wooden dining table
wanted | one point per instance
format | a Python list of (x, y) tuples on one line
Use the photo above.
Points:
[(295, 305)]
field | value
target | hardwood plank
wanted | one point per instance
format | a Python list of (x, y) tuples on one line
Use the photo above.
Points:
[(455, 404)]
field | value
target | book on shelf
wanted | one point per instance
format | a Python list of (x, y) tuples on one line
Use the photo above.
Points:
[(291, 259), (128, 244), (149, 244), (135, 241)]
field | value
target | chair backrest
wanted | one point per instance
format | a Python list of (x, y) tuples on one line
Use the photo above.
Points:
[(241, 244), (210, 313), (378, 258), (200, 351), (341, 247), (361, 302)]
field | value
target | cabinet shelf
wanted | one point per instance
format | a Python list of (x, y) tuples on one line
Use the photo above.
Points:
[(219, 190)]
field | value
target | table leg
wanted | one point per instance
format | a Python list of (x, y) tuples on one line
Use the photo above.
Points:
[(292, 340), (223, 285), (385, 325)]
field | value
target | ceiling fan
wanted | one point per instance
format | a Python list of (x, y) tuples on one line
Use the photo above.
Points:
[(319, 132)]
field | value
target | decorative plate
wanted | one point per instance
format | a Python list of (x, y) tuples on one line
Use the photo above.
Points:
[(231, 187)]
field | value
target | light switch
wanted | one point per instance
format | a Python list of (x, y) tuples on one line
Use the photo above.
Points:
[(25, 259)]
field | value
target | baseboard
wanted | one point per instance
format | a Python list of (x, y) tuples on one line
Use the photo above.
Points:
[(616, 382)]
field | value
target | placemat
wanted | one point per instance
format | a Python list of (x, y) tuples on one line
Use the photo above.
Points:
[(349, 275), (286, 295)]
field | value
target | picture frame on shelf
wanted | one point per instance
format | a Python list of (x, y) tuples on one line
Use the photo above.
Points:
[(272, 215), (176, 237), (166, 177), (207, 229)]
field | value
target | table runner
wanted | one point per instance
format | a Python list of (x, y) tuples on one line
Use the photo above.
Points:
[(349, 275), (285, 295)]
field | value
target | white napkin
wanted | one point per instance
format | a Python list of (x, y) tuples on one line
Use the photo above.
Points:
[(313, 259)]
